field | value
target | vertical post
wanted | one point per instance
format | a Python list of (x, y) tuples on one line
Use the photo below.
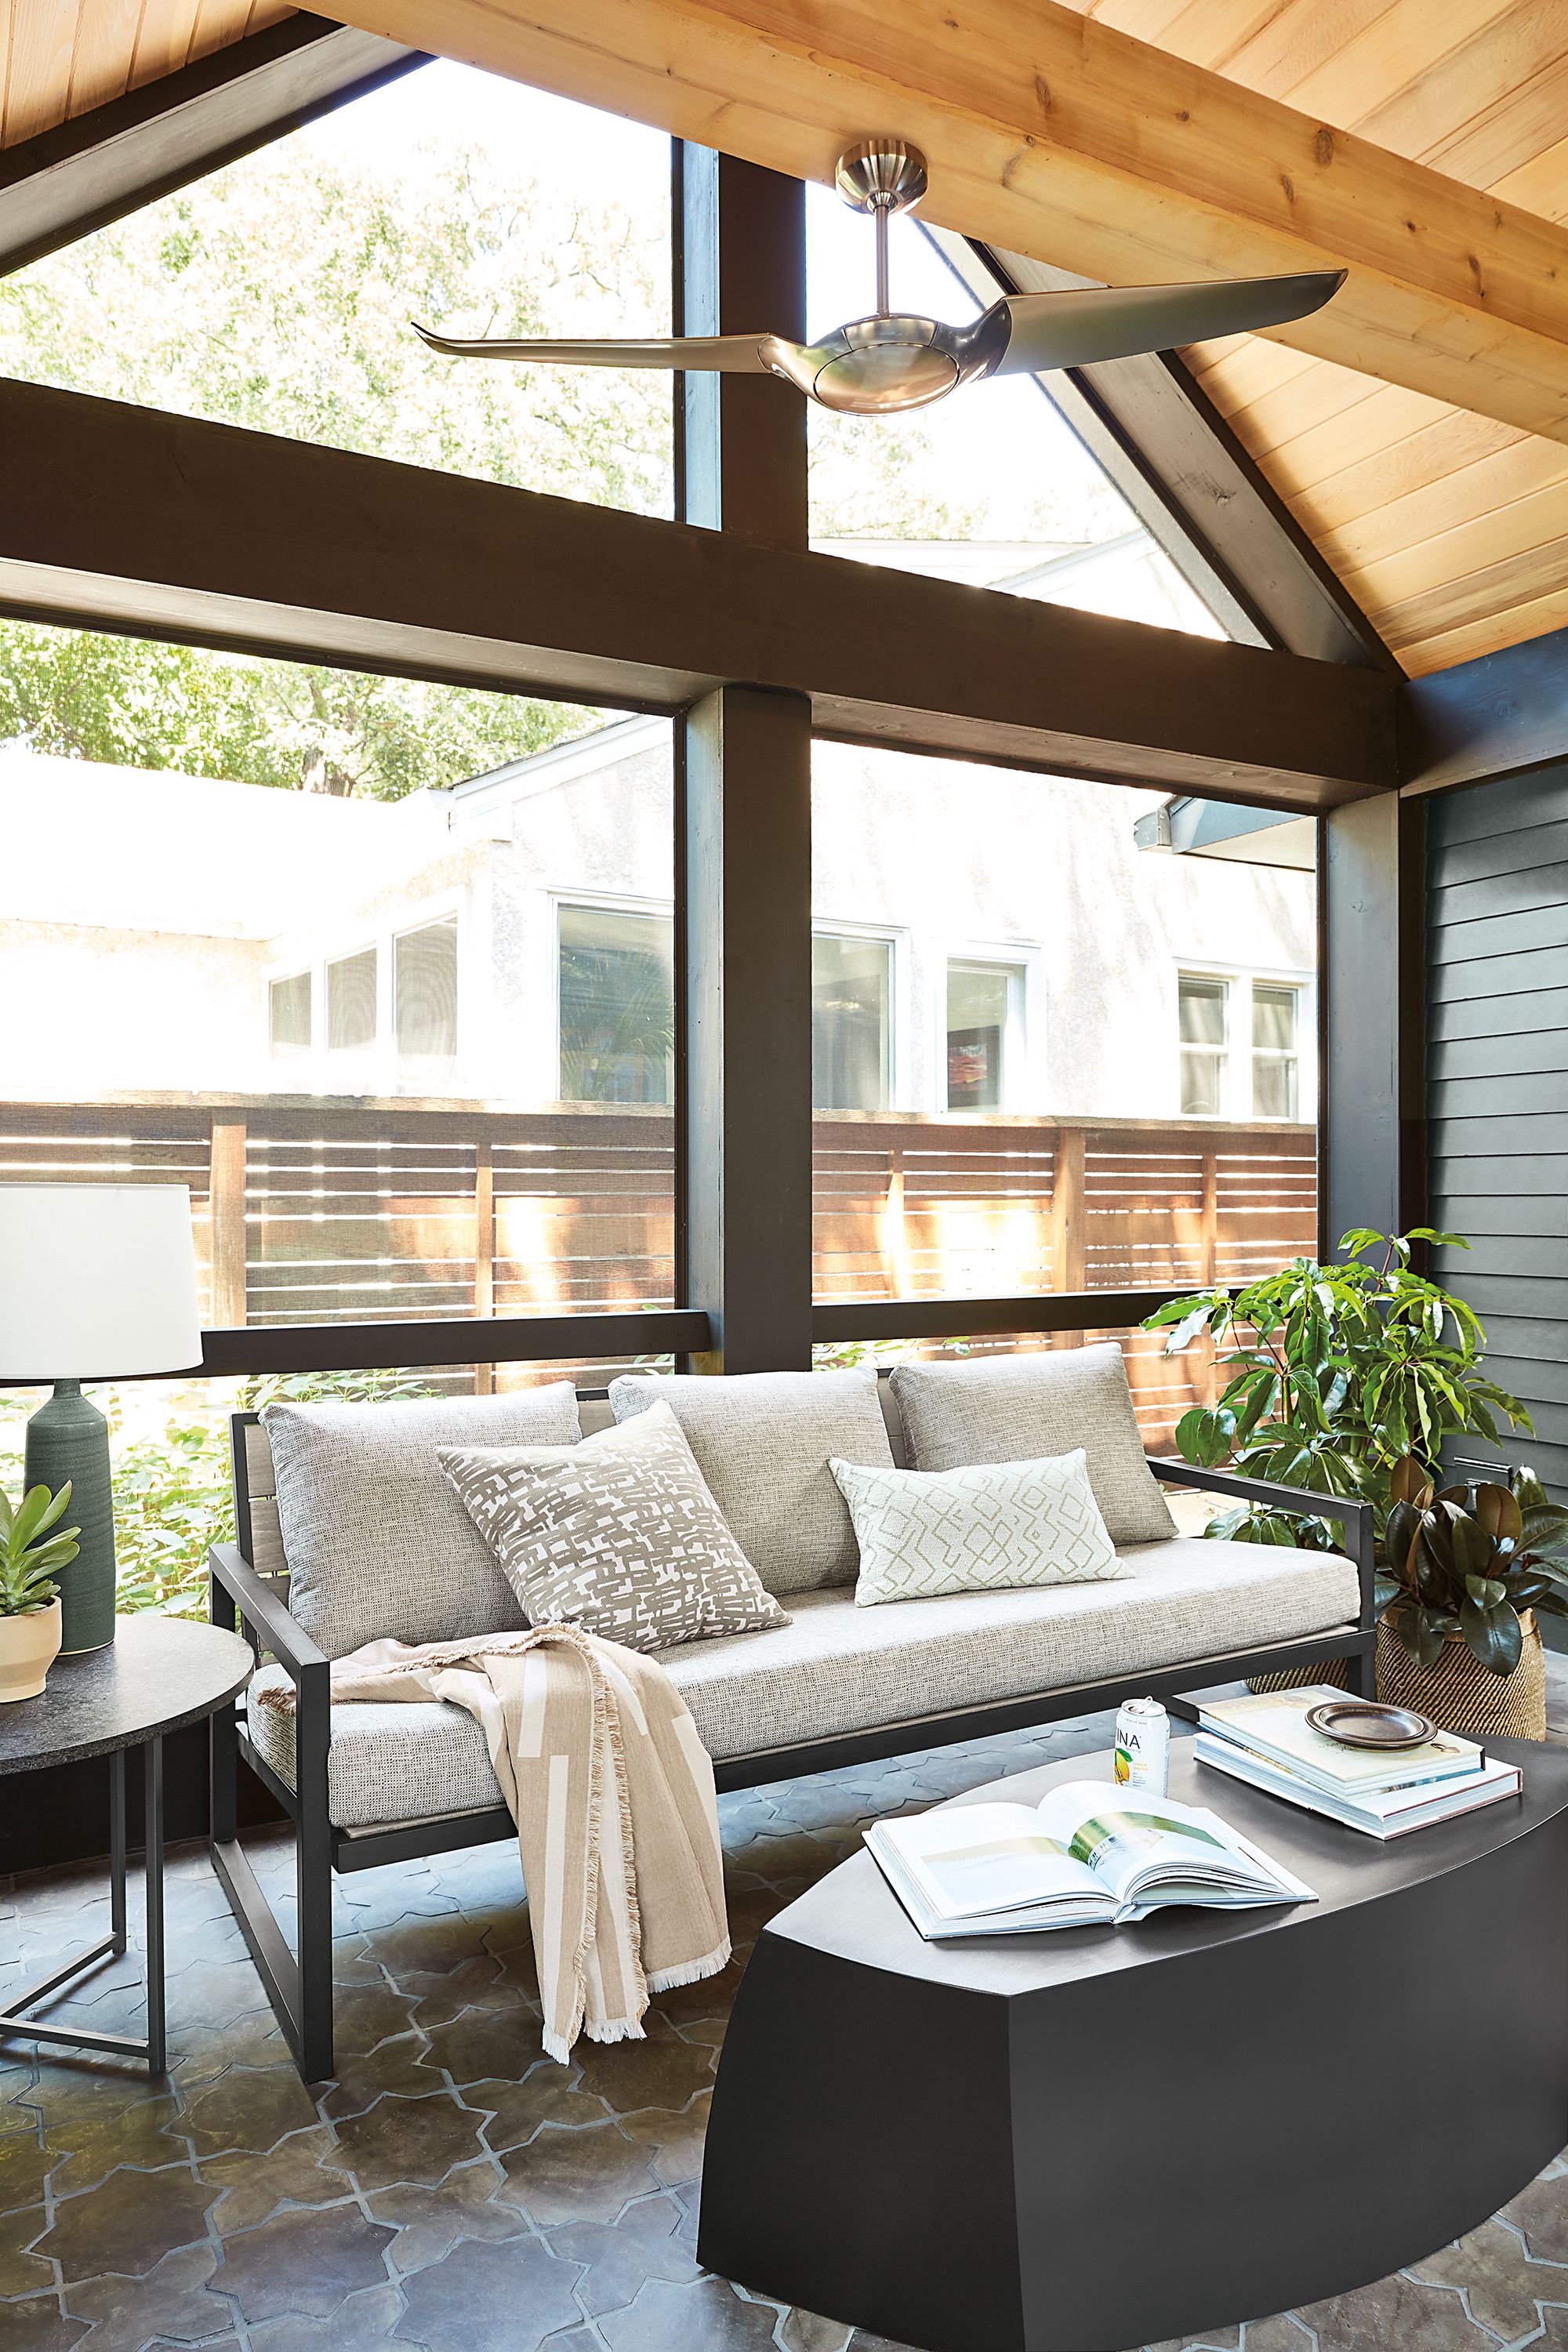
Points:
[(747, 1097), (484, 1249), (895, 1249), (116, 1847), (1208, 1267), (225, 1207), (1067, 1221), (743, 814), (1371, 916), (739, 260)]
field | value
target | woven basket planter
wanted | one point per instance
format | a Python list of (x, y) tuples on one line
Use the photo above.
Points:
[(1462, 1694), (1332, 1670)]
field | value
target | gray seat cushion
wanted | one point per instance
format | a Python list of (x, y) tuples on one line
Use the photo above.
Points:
[(376, 1541), (835, 1668), (1018, 1408), (762, 1442)]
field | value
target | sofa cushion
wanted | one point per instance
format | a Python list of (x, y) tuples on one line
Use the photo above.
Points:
[(992, 1526), (762, 1442), (617, 1534), (836, 1669), (1018, 1408), (375, 1540)]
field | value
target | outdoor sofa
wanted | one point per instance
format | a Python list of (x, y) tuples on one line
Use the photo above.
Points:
[(838, 1684)]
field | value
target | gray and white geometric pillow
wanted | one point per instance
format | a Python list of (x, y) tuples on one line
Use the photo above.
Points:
[(618, 1534), (990, 1526)]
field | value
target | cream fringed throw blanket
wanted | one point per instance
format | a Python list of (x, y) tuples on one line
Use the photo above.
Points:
[(612, 1792)]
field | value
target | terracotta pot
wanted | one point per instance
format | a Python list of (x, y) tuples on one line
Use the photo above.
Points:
[(1462, 1694), (28, 1647)]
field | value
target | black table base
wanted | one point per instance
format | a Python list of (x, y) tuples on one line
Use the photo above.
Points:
[(19, 2022), (1081, 2141)]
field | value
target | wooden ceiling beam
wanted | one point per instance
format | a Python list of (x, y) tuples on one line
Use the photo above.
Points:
[(104, 163), (1503, 714), (148, 524), (1051, 135)]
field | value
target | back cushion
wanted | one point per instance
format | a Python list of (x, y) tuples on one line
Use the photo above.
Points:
[(762, 1443), (376, 1541), (1021, 1408)]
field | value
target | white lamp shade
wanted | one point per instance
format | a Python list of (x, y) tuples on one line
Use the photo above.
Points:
[(96, 1281)]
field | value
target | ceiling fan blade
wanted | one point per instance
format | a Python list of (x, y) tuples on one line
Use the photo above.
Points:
[(1080, 326), (698, 354)]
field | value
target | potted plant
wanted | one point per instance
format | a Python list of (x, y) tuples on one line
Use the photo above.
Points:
[(1348, 1378), (1465, 1568), (29, 1599)]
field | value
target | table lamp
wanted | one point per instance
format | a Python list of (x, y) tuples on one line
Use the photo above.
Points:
[(97, 1282)]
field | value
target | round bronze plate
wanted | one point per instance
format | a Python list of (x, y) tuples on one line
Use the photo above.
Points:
[(1363, 1723)]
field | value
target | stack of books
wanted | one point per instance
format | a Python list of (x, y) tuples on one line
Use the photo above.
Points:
[(1265, 1738)]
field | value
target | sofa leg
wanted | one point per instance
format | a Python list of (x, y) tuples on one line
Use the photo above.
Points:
[(1361, 1674), (313, 1883)]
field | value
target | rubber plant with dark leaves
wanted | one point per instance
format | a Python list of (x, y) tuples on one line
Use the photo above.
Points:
[(1469, 1560), (1336, 1375)]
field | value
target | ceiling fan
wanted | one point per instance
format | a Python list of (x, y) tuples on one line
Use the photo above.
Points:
[(895, 360)]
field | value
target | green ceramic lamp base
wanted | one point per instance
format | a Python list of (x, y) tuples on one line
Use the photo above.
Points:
[(68, 1438)]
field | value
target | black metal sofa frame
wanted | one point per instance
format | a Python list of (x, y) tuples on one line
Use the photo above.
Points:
[(299, 1982)]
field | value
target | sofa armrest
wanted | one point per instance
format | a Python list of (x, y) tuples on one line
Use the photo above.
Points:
[(236, 1589), (1357, 1518)]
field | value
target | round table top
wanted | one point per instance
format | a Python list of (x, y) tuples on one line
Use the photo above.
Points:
[(157, 1674), (854, 1916)]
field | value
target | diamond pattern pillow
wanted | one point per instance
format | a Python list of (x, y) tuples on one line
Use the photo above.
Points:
[(991, 1526), (617, 1534)]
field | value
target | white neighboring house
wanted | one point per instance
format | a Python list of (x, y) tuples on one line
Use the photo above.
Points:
[(985, 940)]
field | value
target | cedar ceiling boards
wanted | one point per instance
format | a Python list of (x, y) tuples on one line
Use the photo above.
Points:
[(1447, 528), (58, 58)]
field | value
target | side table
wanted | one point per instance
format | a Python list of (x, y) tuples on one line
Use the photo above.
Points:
[(158, 1674)]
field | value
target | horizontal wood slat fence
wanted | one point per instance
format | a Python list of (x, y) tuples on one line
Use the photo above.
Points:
[(328, 1211)]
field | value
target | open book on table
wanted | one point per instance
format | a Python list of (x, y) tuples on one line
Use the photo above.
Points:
[(1089, 1854)]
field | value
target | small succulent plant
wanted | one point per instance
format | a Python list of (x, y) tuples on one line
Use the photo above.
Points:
[(29, 1554)]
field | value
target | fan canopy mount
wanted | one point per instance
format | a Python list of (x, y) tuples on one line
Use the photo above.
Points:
[(896, 360)]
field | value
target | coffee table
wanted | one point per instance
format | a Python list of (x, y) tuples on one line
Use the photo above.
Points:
[(1103, 2137)]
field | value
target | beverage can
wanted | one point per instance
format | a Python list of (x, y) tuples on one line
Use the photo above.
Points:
[(1142, 1747)]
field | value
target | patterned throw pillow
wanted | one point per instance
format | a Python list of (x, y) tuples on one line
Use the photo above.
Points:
[(989, 1528), (618, 1535)]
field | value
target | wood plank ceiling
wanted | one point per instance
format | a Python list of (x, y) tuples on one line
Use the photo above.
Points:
[(1447, 527), (60, 58)]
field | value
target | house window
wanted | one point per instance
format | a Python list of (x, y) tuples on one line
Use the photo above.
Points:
[(851, 1023), (289, 1015), (616, 997), (1276, 1062), (424, 989), (350, 1002), (1240, 1041), (1204, 1032), (984, 1033)]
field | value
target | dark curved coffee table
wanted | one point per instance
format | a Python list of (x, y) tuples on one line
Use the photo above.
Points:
[(156, 1676), (1104, 2138)]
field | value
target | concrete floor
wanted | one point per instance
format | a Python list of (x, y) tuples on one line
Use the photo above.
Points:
[(455, 2190)]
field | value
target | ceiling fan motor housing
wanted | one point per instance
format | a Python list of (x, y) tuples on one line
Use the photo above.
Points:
[(880, 175)]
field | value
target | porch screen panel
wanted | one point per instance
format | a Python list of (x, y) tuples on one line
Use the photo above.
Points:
[(1018, 1115)]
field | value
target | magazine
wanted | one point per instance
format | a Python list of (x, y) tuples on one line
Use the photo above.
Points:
[(1379, 1812), (1089, 1854), (1274, 1725)]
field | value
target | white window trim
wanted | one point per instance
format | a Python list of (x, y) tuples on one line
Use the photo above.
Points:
[(376, 1068), (1238, 1105), (1023, 1072), (900, 1077)]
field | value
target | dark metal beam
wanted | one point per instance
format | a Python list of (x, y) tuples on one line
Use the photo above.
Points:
[(480, 1339), (1194, 488), (747, 933), (130, 520), (1372, 890), (740, 263), (1500, 715), (967, 1318), (107, 162)]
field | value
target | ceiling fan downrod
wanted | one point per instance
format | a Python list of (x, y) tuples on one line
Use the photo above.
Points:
[(881, 176)]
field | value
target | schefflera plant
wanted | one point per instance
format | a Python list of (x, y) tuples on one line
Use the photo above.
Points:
[(1468, 1561), (29, 1554)]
